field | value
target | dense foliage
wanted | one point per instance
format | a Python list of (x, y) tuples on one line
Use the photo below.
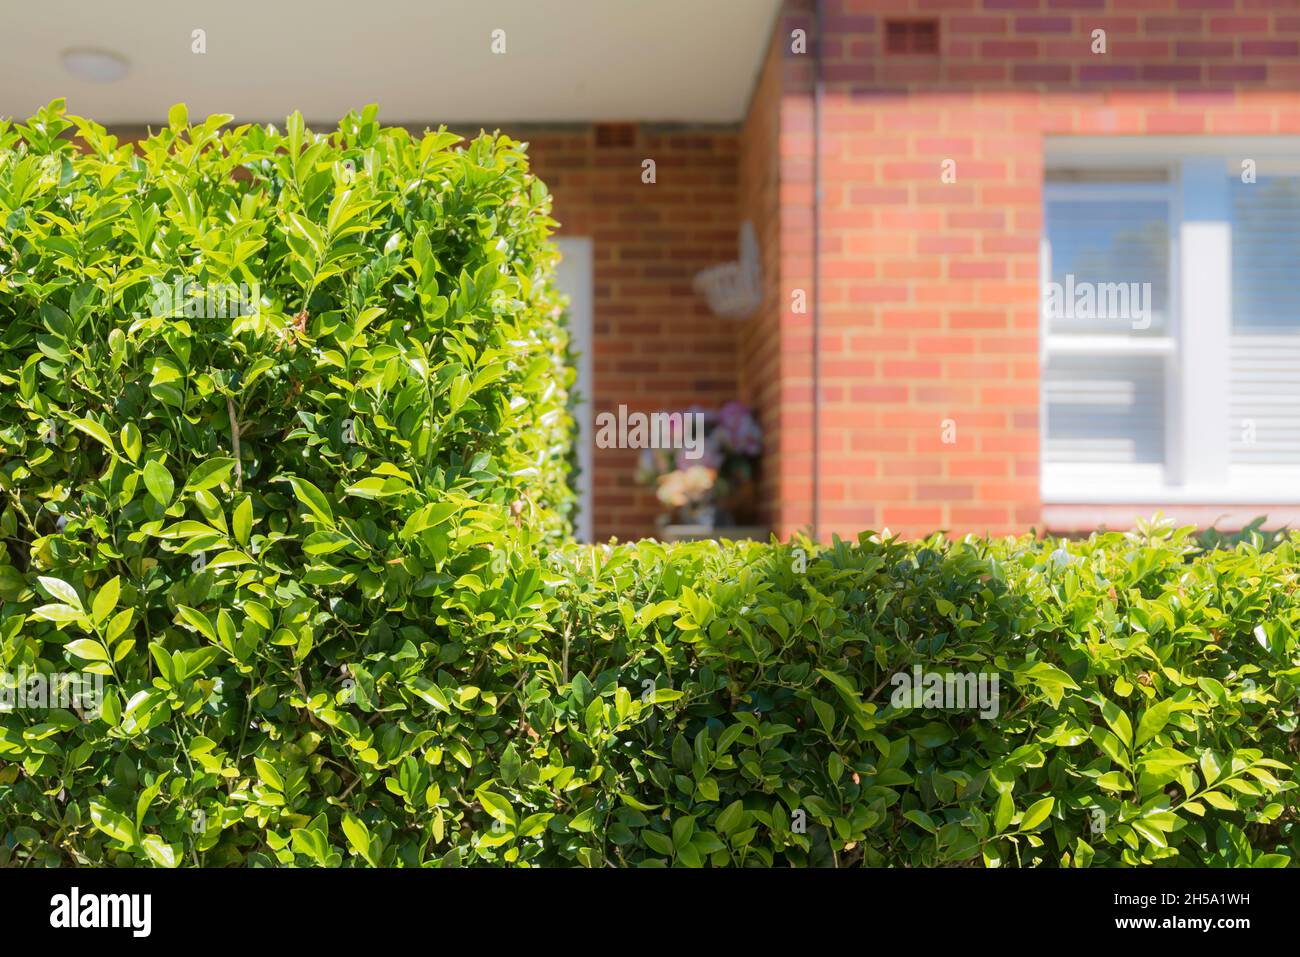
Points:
[(314, 551), (264, 397)]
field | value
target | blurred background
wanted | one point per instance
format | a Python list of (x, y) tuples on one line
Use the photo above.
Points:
[(976, 266)]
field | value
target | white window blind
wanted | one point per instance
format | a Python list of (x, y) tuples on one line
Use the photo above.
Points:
[(1106, 326), (1265, 343), (1105, 409), (1104, 242)]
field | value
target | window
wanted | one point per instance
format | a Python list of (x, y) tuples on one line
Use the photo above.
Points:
[(1265, 346), (1107, 329), (1171, 325)]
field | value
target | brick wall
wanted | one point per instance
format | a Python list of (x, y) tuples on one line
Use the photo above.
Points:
[(656, 345), (929, 290), (776, 192), (766, 376)]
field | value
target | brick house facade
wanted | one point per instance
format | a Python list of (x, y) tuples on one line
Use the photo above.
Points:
[(656, 346), (909, 394)]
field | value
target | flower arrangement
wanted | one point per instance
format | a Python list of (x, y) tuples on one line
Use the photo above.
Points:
[(718, 487)]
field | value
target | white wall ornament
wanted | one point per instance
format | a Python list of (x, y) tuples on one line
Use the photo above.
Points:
[(735, 290)]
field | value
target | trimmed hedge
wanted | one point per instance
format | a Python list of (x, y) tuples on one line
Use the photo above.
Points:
[(387, 656), (1148, 706), (264, 398)]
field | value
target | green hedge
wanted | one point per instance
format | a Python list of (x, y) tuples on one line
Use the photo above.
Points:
[(264, 396), (371, 646), (1147, 709), (683, 704)]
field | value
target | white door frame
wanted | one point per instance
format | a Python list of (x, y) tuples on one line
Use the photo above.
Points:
[(575, 279)]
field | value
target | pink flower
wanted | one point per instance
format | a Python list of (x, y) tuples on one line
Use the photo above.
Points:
[(737, 430)]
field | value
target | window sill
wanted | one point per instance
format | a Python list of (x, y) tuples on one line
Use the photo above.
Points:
[(1139, 485), (1061, 518)]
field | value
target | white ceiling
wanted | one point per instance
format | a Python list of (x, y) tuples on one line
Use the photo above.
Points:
[(422, 62)]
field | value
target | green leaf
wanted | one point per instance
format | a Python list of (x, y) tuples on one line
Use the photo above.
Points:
[(659, 843), (58, 612), (312, 497), (96, 432), (584, 821), (113, 823), (260, 614), (89, 649), (267, 773), (534, 824), (198, 621), (1114, 781), (132, 441), (1118, 721), (731, 818), (1218, 799), (1006, 809), (633, 802), (1153, 721), (683, 831), (358, 836), (1152, 834), (1036, 814), (430, 692), (158, 481), (1052, 681), (1163, 760), (118, 626), (241, 520), (496, 805), (1210, 767), (61, 590), (160, 852), (105, 600), (210, 474), (922, 820)]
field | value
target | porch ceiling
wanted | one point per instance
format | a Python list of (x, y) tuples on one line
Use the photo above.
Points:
[(422, 61)]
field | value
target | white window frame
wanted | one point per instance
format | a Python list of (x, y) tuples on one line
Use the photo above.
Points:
[(1197, 467)]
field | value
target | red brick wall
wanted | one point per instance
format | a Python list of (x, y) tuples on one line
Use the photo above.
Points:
[(929, 291), (656, 345), (762, 358), (776, 189)]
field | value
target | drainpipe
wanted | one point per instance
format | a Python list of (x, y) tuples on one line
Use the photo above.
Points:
[(816, 273)]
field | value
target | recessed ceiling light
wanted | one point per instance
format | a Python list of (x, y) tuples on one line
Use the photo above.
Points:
[(96, 66)]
